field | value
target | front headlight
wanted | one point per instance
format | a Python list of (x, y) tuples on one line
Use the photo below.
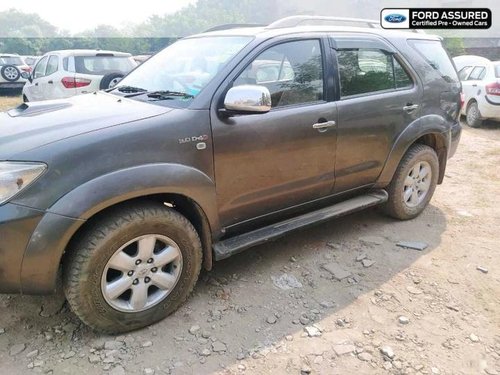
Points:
[(16, 176)]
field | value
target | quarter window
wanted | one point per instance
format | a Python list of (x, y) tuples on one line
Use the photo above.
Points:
[(292, 71), (369, 70), (477, 73)]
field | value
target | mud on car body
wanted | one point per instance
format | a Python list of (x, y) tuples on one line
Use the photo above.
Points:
[(243, 136)]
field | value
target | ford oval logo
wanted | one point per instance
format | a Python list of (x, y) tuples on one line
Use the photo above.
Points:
[(395, 18)]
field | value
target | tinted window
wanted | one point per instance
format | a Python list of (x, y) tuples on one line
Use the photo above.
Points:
[(292, 71), (477, 73), (436, 57), (40, 67), (11, 60), (402, 78), (102, 65), (464, 72), (52, 65), (369, 70), (497, 70)]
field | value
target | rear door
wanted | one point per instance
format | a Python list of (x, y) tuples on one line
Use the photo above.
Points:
[(379, 97), (90, 70), (471, 87), (48, 83)]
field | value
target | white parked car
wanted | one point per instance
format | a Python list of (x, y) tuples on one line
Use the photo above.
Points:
[(481, 91), (11, 69), (62, 74), (468, 60)]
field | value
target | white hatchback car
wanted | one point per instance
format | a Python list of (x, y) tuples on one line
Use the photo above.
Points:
[(481, 91), (62, 74), (11, 69)]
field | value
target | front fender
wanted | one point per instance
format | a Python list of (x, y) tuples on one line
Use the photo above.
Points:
[(430, 124), (68, 214)]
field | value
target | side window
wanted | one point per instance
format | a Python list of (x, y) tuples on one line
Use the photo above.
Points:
[(52, 65), (40, 68), (292, 71), (464, 72), (402, 78), (477, 73), (436, 57), (369, 70)]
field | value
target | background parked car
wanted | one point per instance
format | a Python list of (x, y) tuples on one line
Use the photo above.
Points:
[(31, 60), (11, 68), (62, 74), (468, 60), (481, 91)]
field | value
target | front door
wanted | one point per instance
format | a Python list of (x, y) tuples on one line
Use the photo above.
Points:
[(34, 90), (267, 162)]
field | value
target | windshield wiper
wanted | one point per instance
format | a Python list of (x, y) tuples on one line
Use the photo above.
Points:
[(167, 94), (130, 89)]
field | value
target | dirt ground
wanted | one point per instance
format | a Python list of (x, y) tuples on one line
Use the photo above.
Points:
[(9, 99), (397, 311)]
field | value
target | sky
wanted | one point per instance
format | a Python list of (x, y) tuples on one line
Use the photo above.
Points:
[(70, 16)]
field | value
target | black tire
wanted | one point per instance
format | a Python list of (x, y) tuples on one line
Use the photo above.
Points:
[(108, 79), (89, 254), (10, 69), (396, 206), (473, 116)]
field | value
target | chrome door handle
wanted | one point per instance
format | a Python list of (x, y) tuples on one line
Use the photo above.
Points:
[(324, 125), (410, 107)]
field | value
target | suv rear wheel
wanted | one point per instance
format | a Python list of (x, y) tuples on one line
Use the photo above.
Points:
[(413, 183), (473, 115), (132, 268)]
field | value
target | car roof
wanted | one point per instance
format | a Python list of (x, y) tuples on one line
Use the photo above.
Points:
[(9, 55), (267, 32), (87, 52)]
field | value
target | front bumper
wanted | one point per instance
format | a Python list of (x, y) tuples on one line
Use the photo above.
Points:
[(31, 244), (17, 223)]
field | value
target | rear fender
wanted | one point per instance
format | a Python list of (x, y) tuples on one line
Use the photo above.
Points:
[(430, 124)]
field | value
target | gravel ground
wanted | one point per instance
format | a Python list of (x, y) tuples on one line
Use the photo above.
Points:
[(340, 298)]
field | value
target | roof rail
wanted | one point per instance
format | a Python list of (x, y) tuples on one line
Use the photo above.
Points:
[(294, 21), (230, 26)]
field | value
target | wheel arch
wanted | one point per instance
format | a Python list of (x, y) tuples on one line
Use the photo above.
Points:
[(432, 131), (185, 189)]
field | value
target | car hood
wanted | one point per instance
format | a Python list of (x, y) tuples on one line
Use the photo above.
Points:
[(36, 124)]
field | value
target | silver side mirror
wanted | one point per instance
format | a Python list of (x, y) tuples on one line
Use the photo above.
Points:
[(248, 99)]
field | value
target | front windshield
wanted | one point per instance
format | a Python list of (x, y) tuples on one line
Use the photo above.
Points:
[(185, 67)]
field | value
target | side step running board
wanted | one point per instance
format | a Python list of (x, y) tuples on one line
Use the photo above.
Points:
[(226, 248)]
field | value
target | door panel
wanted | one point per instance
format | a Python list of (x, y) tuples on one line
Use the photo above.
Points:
[(35, 89), (367, 129), (267, 162), (379, 97), (272, 161)]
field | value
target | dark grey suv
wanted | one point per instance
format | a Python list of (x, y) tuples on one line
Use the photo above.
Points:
[(220, 142)]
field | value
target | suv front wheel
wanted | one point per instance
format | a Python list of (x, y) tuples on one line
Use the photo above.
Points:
[(132, 268), (414, 183)]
